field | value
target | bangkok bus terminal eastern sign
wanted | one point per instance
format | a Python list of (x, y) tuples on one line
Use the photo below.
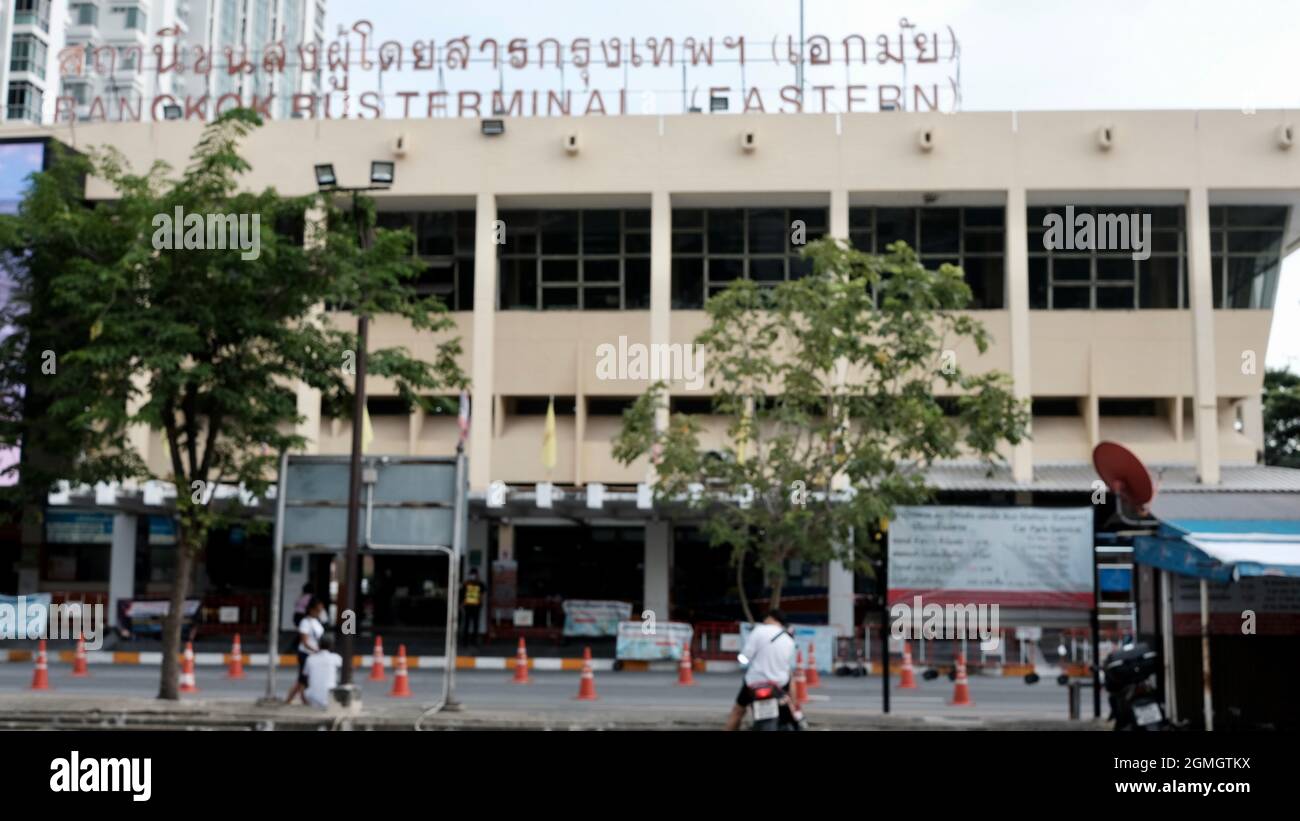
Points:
[(916, 67)]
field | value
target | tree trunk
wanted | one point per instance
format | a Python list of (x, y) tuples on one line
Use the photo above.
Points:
[(740, 590), (168, 687), (776, 588)]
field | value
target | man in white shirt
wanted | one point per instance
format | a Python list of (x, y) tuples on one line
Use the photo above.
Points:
[(310, 630), (769, 654), (322, 670)]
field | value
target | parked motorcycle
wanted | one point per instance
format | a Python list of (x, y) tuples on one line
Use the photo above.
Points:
[(1136, 703)]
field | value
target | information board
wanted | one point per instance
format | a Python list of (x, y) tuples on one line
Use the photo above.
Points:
[(1010, 556)]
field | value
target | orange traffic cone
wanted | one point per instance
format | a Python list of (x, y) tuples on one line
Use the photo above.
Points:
[(401, 684), (521, 664), (800, 683), (685, 671), (907, 678), (961, 690), (587, 685), (377, 662), (814, 678), (79, 667), (41, 678), (236, 667), (188, 684)]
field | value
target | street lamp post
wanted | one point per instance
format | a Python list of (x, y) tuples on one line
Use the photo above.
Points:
[(381, 178)]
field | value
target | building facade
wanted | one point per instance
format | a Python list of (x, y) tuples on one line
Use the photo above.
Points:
[(617, 230), (126, 41)]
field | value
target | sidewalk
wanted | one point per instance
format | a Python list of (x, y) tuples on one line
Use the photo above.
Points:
[(52, 711)]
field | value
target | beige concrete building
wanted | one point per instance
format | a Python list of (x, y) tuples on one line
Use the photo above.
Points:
[(619, 227)]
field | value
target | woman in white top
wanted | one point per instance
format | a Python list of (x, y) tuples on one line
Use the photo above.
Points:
[(310, 629)]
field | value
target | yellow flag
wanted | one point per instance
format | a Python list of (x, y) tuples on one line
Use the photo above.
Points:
[(548, 437), (367, 430)]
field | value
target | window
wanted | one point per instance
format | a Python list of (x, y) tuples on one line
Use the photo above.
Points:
[(713, 246), (577, 260), (1246, 254), (1108, 278), (27, 54), (1128, 407), (444, 241), (84, 14), (24, 102), (972, 238), (32, 13), (1055, 406), (134, 18), (537, 405)]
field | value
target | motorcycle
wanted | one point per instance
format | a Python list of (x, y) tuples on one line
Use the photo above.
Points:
[(1136, 703), (771, 710)]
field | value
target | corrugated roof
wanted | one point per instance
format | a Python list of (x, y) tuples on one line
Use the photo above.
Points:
[(1064, 477)]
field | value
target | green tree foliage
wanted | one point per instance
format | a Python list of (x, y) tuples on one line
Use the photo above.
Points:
[(830, 386), (1282, 418), (203, 345)]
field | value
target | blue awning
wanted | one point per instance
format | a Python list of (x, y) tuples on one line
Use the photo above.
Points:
[(1223, 550)]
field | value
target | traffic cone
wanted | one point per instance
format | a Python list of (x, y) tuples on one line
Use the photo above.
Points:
[(377, 662), (41, 678), (236, 667), (814, 678), (907, 678), (961, 690), (188, 684), (685, 671), (800, 683), (401, 684), (79, 667), (521, 664), (587, 684)]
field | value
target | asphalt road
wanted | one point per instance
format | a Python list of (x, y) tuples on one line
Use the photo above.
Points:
[(633, 692)]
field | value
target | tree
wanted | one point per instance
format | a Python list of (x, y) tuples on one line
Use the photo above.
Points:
[(828, 385), (206, 345), (1281, 418)]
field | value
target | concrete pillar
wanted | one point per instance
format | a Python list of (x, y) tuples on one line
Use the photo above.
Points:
[(308, 398), (1205, 410), (1017, 291), (481, 369), (839, 594), (121, 563), (658, 568), (661, 279), (839, 215)]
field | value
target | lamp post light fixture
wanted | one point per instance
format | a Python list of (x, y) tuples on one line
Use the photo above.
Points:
[(382, 174), (493, 128), (172, 112)]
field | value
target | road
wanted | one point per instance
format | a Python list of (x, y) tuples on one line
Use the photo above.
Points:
[(634, 692)]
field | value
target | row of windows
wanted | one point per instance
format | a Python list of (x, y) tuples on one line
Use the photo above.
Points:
[(703, 405), (599, 259), (1245, 245), (593, 259)]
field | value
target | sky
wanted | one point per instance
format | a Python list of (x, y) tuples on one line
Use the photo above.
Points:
[(1016, 55)]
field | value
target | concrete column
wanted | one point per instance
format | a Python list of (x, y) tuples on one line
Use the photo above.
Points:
[(121, 563), (481, 369), (661, 279), (839, 594), (658, 568), (839, 215), (1017, 291), (1205, 410), (314, 232)]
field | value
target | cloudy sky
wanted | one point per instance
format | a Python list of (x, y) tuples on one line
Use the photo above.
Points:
[(1015, 55)]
